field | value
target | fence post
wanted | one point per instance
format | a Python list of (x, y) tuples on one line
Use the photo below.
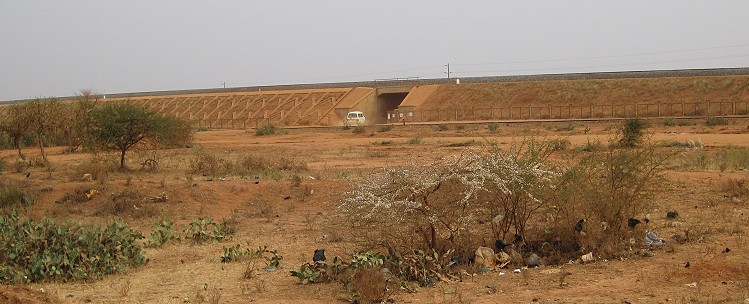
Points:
[(733, 108), (659, 109), (492, 113), (682, 108), (636, 110), (510, 113), (707, 111)]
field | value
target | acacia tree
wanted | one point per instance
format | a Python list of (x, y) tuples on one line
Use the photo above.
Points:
[(76, 123), (14, 125), (43, 116), (121, 126)]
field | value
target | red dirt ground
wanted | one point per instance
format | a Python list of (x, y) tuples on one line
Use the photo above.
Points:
[(336, 160)]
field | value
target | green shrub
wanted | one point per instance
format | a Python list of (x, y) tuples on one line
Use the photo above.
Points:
[(203, 230), (632, 132), (443, 127), (234, 253), (37, 251), (670, 122), (268, 129), (493, 127), (716, 121), (162, 234), (2, 164), (359, 130)]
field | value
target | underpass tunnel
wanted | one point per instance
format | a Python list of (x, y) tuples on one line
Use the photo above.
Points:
[(388, 102)]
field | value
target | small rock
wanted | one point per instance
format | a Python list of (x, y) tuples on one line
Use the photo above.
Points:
[(533, 261), (647, 254), (727, 250), (736, 200), (686, 265), (672, 214), (679, 238)]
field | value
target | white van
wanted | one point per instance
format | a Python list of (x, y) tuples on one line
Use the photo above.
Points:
[(354, 118)]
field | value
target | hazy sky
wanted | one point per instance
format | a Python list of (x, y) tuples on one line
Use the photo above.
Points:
[(58, 47)]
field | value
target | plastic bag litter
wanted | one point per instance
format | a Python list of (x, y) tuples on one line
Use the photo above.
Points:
[(652, 238)]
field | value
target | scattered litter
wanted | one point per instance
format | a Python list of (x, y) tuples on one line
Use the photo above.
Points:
[(517, 270), (319, 255), (580, 225), (449, 291), (87, 177), (484, 270), (736, 200), (90, 194), (501, 273), (632, 222), (311, 177), (693, 285), (587, 258), (652, 238), (270, 269)]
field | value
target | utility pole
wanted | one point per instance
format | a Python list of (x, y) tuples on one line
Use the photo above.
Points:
[(448, 70), (224, 84)]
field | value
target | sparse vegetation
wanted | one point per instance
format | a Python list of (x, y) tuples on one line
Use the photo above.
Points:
[(203, 230), (37, 251), (385, 128), (162, 234), (13, 195), (604, 184), (268, 129), (716, 121), (632, 132)]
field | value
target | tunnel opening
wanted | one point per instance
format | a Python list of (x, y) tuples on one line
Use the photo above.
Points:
[(388, 102)]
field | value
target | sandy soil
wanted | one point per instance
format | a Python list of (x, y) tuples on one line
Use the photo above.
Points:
[(288, 218)]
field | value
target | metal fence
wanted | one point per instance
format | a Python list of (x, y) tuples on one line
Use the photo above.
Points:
[(570, 111)]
